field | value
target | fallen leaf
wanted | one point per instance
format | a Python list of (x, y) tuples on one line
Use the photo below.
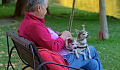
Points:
[(103, 48), (12, 55), (1, 65), (1, 44), (2, 52), (14, 27), (14, 65), (14, 50), (7, 55), (6, 65), (28, 68), (98, 51), (117, 43), (19, 66), (0, 55), (10, 66), (17, 59), (2, 37), (104, 58), (3, 6), (19, 62)]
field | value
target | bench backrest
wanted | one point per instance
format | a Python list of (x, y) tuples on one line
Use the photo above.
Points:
[(24, 50)]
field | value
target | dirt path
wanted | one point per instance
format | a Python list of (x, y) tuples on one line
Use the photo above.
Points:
[(7, 22)]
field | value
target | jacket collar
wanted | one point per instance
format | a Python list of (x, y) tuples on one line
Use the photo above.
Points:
[(30, 16)]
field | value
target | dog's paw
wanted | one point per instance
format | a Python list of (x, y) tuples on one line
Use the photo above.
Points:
[(77, 56), (85, 58), (90, 57)]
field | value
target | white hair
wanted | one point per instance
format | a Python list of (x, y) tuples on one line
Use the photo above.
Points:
[(32, 4)]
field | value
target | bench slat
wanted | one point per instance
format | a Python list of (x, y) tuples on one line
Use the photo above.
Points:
[(22, 46)]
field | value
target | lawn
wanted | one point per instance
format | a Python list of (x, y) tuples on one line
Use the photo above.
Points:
[(108, 50)]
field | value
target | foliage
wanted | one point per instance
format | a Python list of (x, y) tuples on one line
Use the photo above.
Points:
[(108, 50)]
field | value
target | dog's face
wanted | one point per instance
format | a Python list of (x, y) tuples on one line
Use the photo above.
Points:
[(71, 43), (81, 34)]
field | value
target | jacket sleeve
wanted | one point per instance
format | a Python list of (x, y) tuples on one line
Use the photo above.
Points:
[(41, 36)]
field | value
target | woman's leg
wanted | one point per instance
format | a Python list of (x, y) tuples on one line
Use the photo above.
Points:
[(75, 62), (95, 56), (78, 63), (92, 65)]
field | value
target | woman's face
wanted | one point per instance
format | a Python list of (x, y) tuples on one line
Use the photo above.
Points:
[(42, 11)]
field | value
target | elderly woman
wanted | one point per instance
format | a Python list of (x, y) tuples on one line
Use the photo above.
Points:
[(48, 43)]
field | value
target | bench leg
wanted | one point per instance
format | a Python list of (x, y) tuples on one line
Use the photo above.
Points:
[(9, 61)]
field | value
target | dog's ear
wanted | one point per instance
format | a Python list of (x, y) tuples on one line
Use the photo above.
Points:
[(77, 31), (70, 40), (67, 41)]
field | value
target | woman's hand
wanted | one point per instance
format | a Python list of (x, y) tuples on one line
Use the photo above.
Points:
[(66, 34)]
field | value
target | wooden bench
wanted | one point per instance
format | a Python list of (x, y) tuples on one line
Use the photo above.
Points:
[(27, 52)]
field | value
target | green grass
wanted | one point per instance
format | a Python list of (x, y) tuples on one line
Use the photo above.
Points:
[(108, 50), (0, 1), (7, 10)]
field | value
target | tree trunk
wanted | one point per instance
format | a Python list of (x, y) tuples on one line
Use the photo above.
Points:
[(71, 17), (5, 1), (20, 8), (12, 0), (103, 20), (48, 11)]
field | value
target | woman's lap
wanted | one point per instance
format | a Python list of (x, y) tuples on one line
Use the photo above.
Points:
[(92, 65), (78, 63)]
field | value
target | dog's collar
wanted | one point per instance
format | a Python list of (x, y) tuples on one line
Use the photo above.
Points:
[(80, 47)]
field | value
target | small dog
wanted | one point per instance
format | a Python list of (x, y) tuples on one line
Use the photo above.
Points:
[(77, 45), (70, 44), (82, 43)]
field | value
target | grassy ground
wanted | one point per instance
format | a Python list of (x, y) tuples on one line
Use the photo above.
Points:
[(108, 50)]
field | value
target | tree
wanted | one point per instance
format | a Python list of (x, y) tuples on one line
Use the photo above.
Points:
[(103, 21), (71, 17), (5, 1), (48, 11), (20, 8)]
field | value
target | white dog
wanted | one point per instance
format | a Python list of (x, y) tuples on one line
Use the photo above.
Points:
[(70, 44), (82, 43), (77, 45)]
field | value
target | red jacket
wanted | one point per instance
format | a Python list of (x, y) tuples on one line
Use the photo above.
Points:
[(33, 29)]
